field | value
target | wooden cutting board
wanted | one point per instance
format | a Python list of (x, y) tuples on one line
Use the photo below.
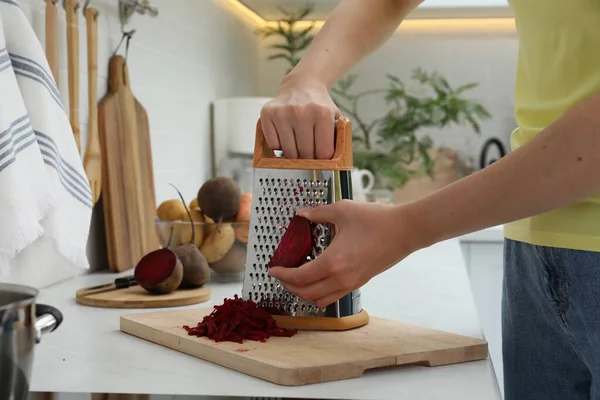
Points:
[(127, 178), (310, 356), (138, 297)]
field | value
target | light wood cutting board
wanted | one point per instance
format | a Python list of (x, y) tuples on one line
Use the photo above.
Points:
[(128, 197), (138, 297), (310, 356)]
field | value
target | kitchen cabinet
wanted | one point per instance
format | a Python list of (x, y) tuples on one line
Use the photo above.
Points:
[(483, 253), (270, 10)]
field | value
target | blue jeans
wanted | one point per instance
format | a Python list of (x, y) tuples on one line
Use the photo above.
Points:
[(550, 323)]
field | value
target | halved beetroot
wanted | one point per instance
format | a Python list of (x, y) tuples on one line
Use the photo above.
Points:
[(295, 245)]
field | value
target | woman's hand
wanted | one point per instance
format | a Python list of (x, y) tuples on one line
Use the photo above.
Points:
[(369, 239), (300, 121)]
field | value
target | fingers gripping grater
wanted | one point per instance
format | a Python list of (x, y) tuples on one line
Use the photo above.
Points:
[(281, 187)]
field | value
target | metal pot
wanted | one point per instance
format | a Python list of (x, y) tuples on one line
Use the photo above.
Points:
[(22, 324)]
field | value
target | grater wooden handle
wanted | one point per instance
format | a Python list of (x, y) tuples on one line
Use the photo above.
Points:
[(342, 159)]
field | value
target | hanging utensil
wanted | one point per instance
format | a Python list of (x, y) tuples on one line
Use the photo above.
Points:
[(128, 195), (73, 65), (92, 161), (52, 37)]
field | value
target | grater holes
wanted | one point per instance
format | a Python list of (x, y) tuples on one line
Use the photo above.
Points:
[(282, 196)]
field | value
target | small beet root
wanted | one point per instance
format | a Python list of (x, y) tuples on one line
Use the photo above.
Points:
[(219, 198), (195, 267), (295, 245), (159, 271), (196, 271)]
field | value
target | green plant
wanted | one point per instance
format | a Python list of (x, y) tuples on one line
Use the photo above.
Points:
[(390, 145), (295, 40)]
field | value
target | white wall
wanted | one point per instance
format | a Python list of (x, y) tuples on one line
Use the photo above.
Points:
[(192, 53), (479, 53)]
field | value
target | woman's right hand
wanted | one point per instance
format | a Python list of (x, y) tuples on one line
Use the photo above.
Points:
[(300, 120)]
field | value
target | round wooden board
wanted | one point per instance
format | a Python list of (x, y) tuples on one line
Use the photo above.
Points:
[(138, 297)]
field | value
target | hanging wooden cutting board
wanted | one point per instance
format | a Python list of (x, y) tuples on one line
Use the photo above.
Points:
[(127, 178), (310, 356)]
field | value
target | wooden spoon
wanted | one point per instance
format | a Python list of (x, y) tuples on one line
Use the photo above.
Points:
[(52, 37), (92, 161), (73, 66)]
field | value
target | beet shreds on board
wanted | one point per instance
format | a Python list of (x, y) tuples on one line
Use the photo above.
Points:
[(237, 320)]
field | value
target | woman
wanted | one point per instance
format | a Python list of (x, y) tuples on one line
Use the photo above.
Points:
[(546, 191)]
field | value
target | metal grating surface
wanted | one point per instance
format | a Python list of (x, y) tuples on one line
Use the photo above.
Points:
[(277, 196)]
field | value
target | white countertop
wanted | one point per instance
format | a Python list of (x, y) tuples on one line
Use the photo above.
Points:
[(88, 353)]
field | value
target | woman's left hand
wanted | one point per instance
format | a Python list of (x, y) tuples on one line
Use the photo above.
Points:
[(369, 239)]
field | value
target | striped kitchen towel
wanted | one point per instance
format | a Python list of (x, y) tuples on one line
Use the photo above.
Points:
[(45, 197)]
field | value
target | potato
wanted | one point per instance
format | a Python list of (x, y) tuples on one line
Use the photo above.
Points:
[(210, 227), (170, 210), (218, 243), (185, 231)]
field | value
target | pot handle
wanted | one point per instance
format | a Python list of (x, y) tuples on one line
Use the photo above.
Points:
[(47, 320)]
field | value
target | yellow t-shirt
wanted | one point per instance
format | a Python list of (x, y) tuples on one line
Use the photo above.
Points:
[(558, 67)]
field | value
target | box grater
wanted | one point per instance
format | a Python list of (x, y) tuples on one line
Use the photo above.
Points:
[(281, 187)]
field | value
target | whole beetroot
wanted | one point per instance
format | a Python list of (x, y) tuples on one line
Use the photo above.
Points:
[(219, 198)]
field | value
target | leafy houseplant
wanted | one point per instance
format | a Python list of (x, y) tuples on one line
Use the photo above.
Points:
[(296, 40), (388, 146)]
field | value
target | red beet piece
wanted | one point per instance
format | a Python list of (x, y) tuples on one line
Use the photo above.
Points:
[(159, 271), (237, 320), (295, 245)]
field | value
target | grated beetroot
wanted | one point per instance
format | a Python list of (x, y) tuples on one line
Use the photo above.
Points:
[(237, 320)]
